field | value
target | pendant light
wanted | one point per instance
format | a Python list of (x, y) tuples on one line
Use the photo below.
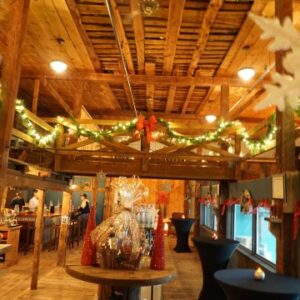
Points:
[(246, 73)]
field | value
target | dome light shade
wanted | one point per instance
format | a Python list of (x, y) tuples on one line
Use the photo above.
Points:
[(246, 73), (210, 118), (58, 66)]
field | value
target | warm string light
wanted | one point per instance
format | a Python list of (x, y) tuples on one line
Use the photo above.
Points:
[(254, 146)]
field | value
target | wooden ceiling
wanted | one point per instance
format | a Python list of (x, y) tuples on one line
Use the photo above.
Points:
[(177, 58)]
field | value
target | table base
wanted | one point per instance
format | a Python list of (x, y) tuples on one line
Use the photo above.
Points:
[(106, 292)]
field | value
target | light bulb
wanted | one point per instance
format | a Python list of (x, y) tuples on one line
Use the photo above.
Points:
[(246, 73), (210, 118), (58, 66)]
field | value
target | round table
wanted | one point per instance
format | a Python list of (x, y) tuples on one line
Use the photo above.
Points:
[(214, 256), (182, 227), (240, 284), (130, 280)]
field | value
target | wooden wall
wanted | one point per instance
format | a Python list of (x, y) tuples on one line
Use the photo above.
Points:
[(176, 200)]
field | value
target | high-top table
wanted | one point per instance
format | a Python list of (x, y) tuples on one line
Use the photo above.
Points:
[(182, 227), (214, 256), (130, 280), (239, 284)]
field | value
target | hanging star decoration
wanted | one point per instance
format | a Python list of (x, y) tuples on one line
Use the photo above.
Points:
[(285, 88)]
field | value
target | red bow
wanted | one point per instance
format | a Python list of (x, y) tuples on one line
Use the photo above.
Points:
[(296, 220), (163, 197), (264, 203), (149, 126), (229, 202)]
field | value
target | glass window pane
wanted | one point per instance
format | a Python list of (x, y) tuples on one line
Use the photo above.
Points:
[(209, 217), (266, 242), (243, 227)]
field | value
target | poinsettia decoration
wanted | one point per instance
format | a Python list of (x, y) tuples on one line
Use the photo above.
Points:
[(285, 88)]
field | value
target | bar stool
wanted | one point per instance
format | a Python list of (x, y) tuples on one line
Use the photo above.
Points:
[(74, 233), (27, 235)]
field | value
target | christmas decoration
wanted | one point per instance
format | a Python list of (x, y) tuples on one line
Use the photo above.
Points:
[(285, 88), (158, 250), (296, 221), (88, 254), (149, 126), (254, 146)]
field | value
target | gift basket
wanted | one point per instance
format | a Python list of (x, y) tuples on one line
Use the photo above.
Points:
[(120, 241)]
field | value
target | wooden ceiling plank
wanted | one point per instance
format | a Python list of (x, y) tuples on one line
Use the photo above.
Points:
[(176, 8), (139, 35), (78, 99), (85, 39), (256, 8), (208, 20), (224, 101), (49, 87), (36, 90), (150, 88), (122, 36)]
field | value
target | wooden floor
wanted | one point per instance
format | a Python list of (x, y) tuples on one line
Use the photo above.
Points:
[(54, 283)]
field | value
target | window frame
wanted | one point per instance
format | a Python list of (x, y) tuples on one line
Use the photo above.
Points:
[(251, 253)]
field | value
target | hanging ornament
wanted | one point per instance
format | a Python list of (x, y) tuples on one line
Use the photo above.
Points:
[(149, 7)]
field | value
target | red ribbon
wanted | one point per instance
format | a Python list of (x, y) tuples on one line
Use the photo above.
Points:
[(149, 126), (296, 220), (163, 197), (229, 202), (265, 203)]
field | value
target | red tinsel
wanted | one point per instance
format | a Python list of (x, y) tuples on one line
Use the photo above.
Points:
[(88, 254), (229, 202), (296, 220), (158, 250)]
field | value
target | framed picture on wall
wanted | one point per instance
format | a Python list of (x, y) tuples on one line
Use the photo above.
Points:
[(278, 186)]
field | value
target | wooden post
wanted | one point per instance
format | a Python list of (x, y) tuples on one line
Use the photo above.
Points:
[(38, 238), (59, 144), (4, 197), (285, 154), (224, 194), (64, 229), (78, 99), (11, 69), (94, 192), (36, 91)]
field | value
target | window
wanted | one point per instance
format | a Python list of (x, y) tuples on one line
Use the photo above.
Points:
[(265, 241), (242, 227), (258, 239), (210, 219)]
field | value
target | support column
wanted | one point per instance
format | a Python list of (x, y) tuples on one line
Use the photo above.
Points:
[(285, 155), (64, 229), (38, 239), (11, 70)]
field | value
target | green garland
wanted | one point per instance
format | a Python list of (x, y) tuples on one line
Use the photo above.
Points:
[(254, 146)]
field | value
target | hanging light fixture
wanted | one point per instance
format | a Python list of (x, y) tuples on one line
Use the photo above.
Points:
[(149, 7), (210, 118), (246, 73), (58, 66)]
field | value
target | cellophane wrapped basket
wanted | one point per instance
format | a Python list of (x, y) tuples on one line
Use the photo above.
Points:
[(120, 242)]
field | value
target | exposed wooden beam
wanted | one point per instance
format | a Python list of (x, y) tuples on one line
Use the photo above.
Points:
[(224, 101), (85, 39), (109, 94), (207, 21), (47, 84), (78, 99), (122, 36), (159, 80), (188, 99), (162, 170), (150, 88), (23, 136), (79, 144), (176, 8), (254, 96), (36, 90), (256, 8), (11, 69), (171, 98), (139, 35), (218, 150), (119, 146), (126, 86)]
